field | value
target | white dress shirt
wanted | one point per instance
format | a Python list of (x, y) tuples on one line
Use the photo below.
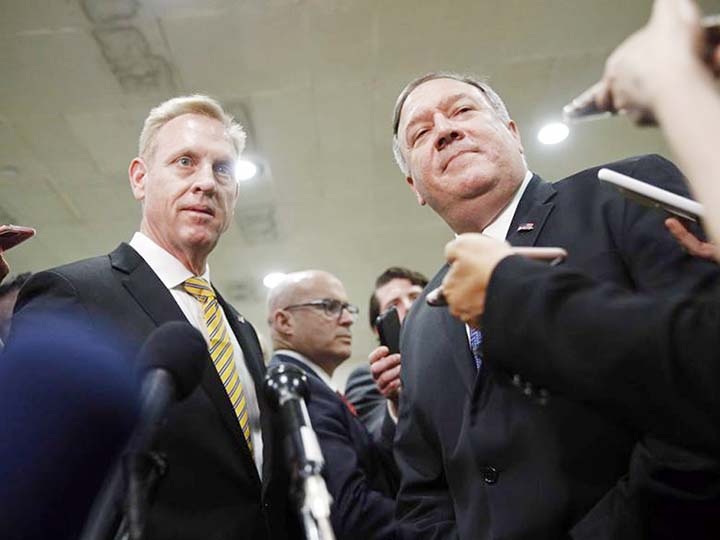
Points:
[(500, 226), (173, 274), (312, 365)]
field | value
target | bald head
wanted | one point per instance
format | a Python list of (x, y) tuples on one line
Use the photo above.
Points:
[(301, 318)]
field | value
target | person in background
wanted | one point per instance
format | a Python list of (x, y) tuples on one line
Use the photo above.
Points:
[(375, 387), (310, 321)]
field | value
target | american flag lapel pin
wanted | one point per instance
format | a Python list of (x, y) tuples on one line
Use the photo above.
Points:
[(525, 227)]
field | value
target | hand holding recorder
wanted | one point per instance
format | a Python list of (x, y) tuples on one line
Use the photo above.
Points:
[(473, 258), (675, 44)]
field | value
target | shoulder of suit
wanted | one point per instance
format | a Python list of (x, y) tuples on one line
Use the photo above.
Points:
[(629, 166), (80, 269)]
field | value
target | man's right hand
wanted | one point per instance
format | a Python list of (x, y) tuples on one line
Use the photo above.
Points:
[(385, 370)]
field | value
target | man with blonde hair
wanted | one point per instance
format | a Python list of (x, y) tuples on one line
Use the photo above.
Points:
[(222, 478)]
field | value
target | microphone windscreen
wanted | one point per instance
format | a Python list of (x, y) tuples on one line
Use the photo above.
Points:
[(283, 377), (180, 349), (69, 399)]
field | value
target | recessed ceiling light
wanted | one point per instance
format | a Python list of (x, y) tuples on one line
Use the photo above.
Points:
[(273, 279), (245, 170), (553, 133)]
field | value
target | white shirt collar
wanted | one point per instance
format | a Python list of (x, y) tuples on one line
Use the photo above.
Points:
[(309, 363), (500, 226), (170, 270)]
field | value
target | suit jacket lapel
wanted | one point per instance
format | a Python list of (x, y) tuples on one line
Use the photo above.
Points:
[(145, 287), (455, 334), (532, 212)]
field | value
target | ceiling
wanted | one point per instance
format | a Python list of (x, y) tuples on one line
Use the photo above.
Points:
[(315, 82)]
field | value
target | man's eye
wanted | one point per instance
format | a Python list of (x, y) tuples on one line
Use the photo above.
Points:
[(223, 169), (462, 110), (419, 135), (333, 305), (184, 161)]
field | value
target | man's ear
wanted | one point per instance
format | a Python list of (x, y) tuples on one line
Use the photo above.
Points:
[(419, 197), (283, 322), (515, 132), (137, 174)]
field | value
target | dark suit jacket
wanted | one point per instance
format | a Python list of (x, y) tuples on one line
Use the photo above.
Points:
[(658, 356), (359, 473), (371, 405), (489, 456), (211, 489)]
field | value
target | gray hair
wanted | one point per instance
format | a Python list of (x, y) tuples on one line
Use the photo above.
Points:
[(493, 99), (195, 104)]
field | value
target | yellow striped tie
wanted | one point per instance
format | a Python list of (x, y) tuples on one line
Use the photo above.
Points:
[(221, 350)]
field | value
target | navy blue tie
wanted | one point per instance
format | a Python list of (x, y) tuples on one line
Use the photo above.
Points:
[(476, 345)]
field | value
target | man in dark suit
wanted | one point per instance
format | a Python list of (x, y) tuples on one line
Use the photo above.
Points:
[(482, 452), (310, 320), (373, 388), (222, 479)]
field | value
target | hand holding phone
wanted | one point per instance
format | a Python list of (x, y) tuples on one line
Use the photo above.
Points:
[(551, 255)]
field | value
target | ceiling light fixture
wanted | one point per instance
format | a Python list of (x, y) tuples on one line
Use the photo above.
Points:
[(553, 133), (273, 279), (245, 170)]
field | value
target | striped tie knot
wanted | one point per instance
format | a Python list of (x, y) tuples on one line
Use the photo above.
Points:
[(199, 288)]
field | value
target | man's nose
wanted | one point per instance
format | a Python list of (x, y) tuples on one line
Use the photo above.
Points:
[(205, 179), (346, 318), (447, 132)]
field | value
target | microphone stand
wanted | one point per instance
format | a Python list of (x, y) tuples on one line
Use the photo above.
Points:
[(287, 388)]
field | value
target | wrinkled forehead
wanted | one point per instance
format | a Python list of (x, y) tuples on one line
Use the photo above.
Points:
[(434, 94), (194, 131)]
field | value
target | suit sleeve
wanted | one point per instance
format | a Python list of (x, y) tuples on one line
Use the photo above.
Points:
[(359, 510), (656, 263), (650, 360)]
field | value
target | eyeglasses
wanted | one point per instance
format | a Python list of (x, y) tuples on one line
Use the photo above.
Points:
[(331, 307)]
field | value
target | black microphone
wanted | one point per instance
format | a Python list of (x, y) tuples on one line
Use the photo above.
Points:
[(174, 358), (286, 388)]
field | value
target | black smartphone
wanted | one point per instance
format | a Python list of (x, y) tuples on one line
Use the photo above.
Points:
[(388, 326)]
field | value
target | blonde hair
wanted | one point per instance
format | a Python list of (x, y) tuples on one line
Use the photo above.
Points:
[(195, 104)]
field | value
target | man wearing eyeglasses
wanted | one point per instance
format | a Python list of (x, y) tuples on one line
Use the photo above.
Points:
[(310, 321)]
